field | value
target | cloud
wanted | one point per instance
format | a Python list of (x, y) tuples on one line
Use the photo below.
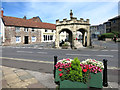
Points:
[(50, 11), (97, 12)]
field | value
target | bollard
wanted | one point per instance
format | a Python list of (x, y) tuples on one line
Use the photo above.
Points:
[(105, 82), (55, 62)]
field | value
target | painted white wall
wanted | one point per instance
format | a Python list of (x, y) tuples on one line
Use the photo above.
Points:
[(2, 30), (48, 33), (63, 36)]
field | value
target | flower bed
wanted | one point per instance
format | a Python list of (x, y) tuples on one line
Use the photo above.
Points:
[(87, 72)]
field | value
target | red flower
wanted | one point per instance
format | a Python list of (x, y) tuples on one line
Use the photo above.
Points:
[(60, 74), (60, 69), (84, 70), (86, 66)]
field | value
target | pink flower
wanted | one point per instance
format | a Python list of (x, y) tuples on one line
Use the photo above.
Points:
[(100, 70), (67, 59), (96, 71)]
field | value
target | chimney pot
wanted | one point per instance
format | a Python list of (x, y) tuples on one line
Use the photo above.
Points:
[(24, 17), (2, 12)]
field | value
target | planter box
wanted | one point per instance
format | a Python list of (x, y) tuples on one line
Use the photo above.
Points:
[(65, 47), (70, 84), (57, 77), (95, 80)]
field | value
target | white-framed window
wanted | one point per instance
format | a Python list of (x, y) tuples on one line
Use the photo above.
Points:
[(47, 37), (44, 37), (51, 37), (17, 29), (26, 29), (33, 39), (46, 30), (33, 29), (18, 39)]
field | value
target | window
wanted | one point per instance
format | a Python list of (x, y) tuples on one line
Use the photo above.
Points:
[(44, 37), (45, 30), (33, 39), (113, 21), (26, 29), (51, 37), (52, 30), (33, 30), (17, 29), (48, 37), (18, 39)]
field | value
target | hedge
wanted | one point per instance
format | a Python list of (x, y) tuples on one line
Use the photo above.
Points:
[(108, 35)]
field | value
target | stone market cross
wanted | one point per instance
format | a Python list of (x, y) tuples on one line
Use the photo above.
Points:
[(72, 26)]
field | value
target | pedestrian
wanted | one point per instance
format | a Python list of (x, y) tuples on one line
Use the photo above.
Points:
[(114, 38)]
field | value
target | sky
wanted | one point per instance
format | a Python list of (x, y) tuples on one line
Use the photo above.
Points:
[(97, 12)]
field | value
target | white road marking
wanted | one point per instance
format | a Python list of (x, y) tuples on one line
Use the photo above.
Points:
[(27, 60), (79, 54), (94, 50), (105, 55), (25, 51), (42, 52), (104, 50), (113, 50), (91, 55)]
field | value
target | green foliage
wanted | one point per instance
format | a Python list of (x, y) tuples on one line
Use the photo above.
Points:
[(75, 73), (108, 35), (116, 33), (65, 44)]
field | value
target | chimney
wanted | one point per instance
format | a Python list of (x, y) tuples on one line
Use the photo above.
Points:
[(24, 17), (71, 14), (2, 12)]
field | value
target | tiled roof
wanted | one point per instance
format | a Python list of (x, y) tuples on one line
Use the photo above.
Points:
[(13, 21), (37, 19)]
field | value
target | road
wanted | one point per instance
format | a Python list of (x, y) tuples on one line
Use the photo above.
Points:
[(41, 60), (47, 54)]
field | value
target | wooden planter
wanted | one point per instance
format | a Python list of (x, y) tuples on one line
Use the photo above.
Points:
[(69, 84), (95, 80)]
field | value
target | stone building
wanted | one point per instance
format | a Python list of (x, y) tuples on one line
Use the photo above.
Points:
[(112, 25), (94, 31), (115, 23), (71, 27), (107, 26), (25, 31)]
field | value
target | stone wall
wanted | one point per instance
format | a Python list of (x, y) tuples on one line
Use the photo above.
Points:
[(11, 33)]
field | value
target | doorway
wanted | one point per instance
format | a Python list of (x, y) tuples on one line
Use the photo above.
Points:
[(26, 39)]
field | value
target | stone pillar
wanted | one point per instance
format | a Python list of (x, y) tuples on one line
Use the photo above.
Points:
[(57, 39), (22, 35), (84, 39), (88, 37), (74, 39)]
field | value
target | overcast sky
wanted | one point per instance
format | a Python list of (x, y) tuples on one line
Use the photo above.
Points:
[(97, 12)]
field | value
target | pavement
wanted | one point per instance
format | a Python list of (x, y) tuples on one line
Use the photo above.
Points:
[(19, 78)]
